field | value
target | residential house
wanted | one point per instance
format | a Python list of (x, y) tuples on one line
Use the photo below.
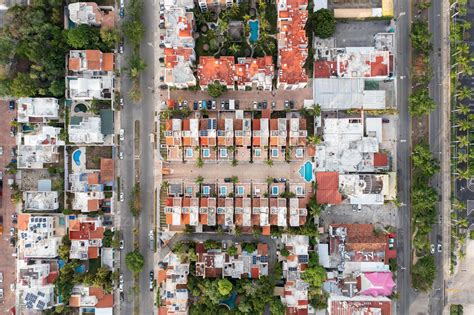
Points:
[(173, 211), (39, 147), (297, 212), (327, 191), (88, 191), (90, 75), (225, 211), (86, 130), (207, 211), (292, 44), (173, 140), (342, 305), (225, 139), (255, 73), (191, 189), (297, 138), (172, 282), (260, 136), (38, 236), (45, 201), (37, 110), (190, 211), (212, 70), (243, 139), (88, 299), (204, 5), (208, 139), (178, 70), (89, 13), (179, 29), (35, 289), (243, 211), (86, 236), (278, 135), (278, 208), (295, 295), (190, 139)]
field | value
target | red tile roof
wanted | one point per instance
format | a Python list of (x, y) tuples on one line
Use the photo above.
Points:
[(327, 180), (325, 69), (380, 159), (348, 307), (213, 69), (248, 69), (107, 173)]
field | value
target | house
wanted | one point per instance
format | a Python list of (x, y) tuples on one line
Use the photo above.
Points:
[(37, 109), (191, 189), (278, 208), (190, 211), (260, 136), (190, 139), (292, 44), (242, 190), (297, 211), (46, 201), (86, 236), (208, 139), (218, 264), (243, 211), (86, 130), (297, 138), (212, 70), (375, 283), (207, 211), (365, 189), (35, 285), (243, 139), (38, 236), (225, 139), (89, 13), (178, 70), (327, 191), (173, 210), (255, 73), (225, 211), (90, 75), (278, 135), (88, 191), (295, 295), (173, 139), (342, 305), (38, 147), (172, 282), (91, 298), (179, 29)]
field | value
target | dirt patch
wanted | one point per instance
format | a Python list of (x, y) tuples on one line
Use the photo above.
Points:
[(94, 154)]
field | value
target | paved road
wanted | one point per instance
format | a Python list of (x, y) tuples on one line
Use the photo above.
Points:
[(144, 113), (403, 62), (436, 138), (201, 237)]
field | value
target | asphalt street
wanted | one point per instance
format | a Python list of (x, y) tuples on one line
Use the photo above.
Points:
[(144, 113), (403, 85), (436, 138)]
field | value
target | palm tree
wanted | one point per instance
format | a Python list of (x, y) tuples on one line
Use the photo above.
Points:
[(199, 180), (463, 157), (463, 141), (234, 48), (314, 139), (269, 162), (234, 179), (464, 93), (463, 109), (464, 125), (462, 49), (464, 174)]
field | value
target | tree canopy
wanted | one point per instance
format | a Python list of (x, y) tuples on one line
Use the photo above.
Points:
[(134, 261), (224, 287), (424, 273), (215, 89), (424, 161), (323, 23), (421, 103)]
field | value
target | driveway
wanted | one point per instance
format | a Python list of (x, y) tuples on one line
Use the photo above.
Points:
[(7, 262)]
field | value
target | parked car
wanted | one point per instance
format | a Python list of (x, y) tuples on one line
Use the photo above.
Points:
[(264, 104), (151, 280), (121, 197), (440, 248), (185, 103), (122, 244), (122, 12), (385, 120), (12, 242), (162, 79), (287, 104), (163, 86), (151, 235), (120, 287), (283, 180), (224, 245), (121, 278), (200, 104), (1, 151), (292, 104), (432, 249), (121, 102), (121, 155), (255, 104), (121, 47), (273, 104), (161, 59), (12, 231), (122, 135), (11, 105), (195, 105), (214, 105), (227, 180), (237, 105), (222, 105)]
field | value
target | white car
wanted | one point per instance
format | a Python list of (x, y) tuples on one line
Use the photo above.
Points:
[(122, 135), (151, 235), (122, 244), (122, 3), (121, 287), (121, 99), (121, 278), (121, 196), (440, 248), (432, 249), (121, 155)]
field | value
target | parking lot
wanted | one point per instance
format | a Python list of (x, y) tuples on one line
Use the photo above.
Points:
[(7, 262), (246, 99), (359, 33)]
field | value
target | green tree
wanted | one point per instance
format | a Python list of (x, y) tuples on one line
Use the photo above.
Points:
[(424, 273), (215, 89), (108, 37), (224, 286), (134, 261), (232, 251), (199, 180), (83, 37), (136, 65), (421, 36), (323, 23), (7, 48), (277, 307), (423, 160), (134, 31), (23, 86), (421, 103)]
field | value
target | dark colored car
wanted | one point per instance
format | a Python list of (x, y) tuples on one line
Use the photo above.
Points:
[(264, 104), (122, 12), (161, 59), (195, 105), (163, 86), (292, 104), (11, 105), (162, 78), (227, 180)]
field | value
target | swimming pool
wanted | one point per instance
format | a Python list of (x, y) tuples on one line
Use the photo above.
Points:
[(306, 171), (253, 31), (76, 156)]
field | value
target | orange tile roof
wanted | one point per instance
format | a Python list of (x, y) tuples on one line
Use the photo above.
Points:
[(161, 275), (93, 204), (92, 252), (185, 29), (328, 196), (249, 68), (93, 178), (108, 62), (106, 170), (255, 272), (23, 220), (93, 59), (266, 230), (327, 180), (213, 69), (74, 64), (262, 249), (169, 218), (380, 159), (173, 55), (186, 218), (163, 310), (75, 301)]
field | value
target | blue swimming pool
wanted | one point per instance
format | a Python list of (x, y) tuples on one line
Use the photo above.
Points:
[(306, 171), (76, 156), (253, 31)]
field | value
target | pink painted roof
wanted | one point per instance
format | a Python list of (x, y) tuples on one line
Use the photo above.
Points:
[(376, 283)]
